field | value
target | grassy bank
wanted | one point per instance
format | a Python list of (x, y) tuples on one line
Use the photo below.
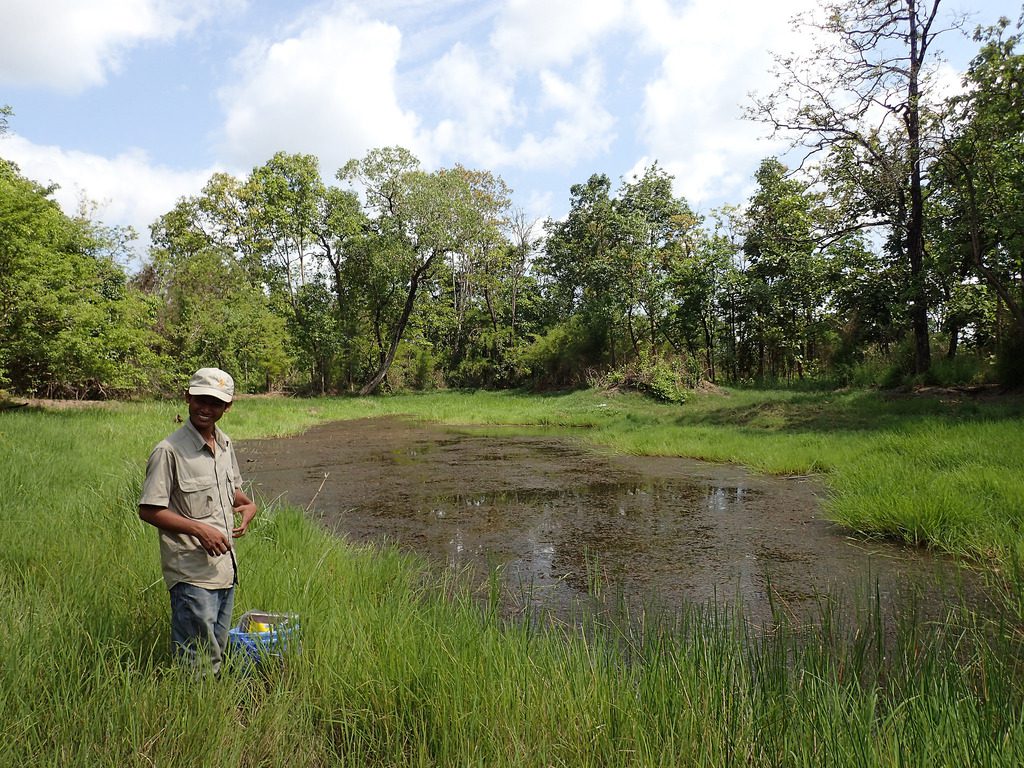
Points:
[(390, 674)]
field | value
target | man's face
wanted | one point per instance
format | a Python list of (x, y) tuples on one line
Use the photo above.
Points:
[(205, 410)]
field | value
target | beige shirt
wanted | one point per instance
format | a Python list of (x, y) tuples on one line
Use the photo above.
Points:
[(185, 476)]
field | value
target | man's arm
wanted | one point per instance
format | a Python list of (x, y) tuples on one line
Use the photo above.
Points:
[(211, 539), (244, 506)]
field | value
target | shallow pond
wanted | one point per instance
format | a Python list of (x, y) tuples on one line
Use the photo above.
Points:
[(569, 527)]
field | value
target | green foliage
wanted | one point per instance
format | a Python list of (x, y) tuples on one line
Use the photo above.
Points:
[(316, 329), (415, 368), (868, 372), (966, 369), (211, 314), (425, 220), (785, 276), (662, 379), (614, 260), (979, 188), (72, 325), (284, 207), (894, 370), (563, 355), (1010, 361), (424, 371), (858, 102)]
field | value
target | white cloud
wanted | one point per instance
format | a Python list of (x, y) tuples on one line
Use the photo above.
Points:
[(329, 90), (535, 97), (128, 189), (563, 121), (533, 34), (71, 45), (479, 97), (585, 127), (948, 82), (536, 208), (713, 55)]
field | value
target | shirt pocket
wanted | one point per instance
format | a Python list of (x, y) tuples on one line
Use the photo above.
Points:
[(198, 495)]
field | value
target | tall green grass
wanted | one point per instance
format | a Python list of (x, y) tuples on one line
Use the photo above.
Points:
[(398, 667)]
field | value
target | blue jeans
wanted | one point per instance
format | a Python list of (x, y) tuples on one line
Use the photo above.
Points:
[(200, 620)]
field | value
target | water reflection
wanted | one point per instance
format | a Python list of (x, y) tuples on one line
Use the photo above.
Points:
[(566, 526), (662, 544)]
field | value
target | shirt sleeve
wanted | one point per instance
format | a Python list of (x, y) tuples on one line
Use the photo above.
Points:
[(156, 489), (236, 475)]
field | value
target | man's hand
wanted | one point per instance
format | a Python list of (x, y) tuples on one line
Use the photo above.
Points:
[(248, 512), (244, 506), (212, 539)]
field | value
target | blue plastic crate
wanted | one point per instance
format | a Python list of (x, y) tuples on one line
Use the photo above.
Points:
[(261, 635)]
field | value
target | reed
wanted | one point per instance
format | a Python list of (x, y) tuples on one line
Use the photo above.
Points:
[(400, 666)]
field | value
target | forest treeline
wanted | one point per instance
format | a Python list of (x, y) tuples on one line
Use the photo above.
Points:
[(894, 255)]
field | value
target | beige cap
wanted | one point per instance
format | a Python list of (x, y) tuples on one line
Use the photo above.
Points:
[(214, 382)]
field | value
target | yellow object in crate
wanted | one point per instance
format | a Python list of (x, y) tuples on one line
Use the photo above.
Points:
[(260, 635)]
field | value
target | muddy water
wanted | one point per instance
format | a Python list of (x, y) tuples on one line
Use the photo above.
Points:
[(568, 526)]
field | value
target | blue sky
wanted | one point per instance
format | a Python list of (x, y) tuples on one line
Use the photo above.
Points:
[(132, 104)]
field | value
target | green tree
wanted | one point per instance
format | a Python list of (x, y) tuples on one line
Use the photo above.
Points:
[(346, 264), (507, 301), (476, 340), (612, 265), (697, 287), (979, 181), (70, 324), (859, 98), (654, 237), (865, 300), (213, 309), (785, 270), (419, 220), (518, 281), (581, 278), (287, 214)]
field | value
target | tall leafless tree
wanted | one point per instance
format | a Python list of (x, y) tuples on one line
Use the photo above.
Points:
[(855, 104)]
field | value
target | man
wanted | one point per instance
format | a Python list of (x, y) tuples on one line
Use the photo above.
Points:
[(192, 494)]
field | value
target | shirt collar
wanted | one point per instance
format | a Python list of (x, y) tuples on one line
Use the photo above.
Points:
[(218, 436)]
